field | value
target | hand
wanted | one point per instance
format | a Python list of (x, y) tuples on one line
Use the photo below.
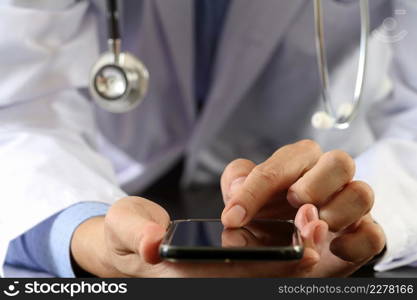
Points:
[(125, 244), (300, 176)]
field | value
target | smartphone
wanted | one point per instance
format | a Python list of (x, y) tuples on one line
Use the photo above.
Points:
[(208, 240)]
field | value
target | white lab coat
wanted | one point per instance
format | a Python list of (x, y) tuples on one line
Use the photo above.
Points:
[(57, 149)]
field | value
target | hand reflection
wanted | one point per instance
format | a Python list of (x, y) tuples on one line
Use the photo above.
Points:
[(259, 233)]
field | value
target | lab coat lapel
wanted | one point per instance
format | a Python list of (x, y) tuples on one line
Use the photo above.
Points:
[(177, 20), (251, 34)]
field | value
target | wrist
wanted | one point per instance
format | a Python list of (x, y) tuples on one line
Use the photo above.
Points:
[(89, 251)]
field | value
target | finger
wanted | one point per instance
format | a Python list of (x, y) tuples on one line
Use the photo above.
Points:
[(306, 214), (312, 236), (360, 245), (137, 225), (234, 175), (333, 170), (313, 230), (355, 200), (269, 178)]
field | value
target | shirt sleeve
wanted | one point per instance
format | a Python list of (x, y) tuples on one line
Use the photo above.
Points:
[(49, 153), (46, 247)]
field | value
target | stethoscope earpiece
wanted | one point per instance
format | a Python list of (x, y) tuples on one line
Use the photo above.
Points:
[(322, 120)]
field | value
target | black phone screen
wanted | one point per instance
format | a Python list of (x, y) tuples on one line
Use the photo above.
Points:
[(211, 233)]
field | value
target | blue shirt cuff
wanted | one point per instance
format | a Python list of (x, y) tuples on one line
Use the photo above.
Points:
[(46, 247)]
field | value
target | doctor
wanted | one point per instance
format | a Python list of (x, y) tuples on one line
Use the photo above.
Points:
[(230, 79)]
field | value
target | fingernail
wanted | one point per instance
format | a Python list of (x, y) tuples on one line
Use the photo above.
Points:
[(312, 214), (293, 199), (236, 215)]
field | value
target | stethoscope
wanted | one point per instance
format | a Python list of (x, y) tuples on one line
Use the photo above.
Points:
[(343, 116), (119, 81)]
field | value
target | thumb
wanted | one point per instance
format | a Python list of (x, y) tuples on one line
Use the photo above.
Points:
[(148, 247), (137, 225)]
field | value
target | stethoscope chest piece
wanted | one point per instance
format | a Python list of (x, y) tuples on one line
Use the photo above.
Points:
[(118, 84)]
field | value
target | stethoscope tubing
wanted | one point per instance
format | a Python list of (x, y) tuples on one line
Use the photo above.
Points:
[(342, 122), (339, 120)]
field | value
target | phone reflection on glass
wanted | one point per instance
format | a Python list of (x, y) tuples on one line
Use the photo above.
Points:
[(203, 240)]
